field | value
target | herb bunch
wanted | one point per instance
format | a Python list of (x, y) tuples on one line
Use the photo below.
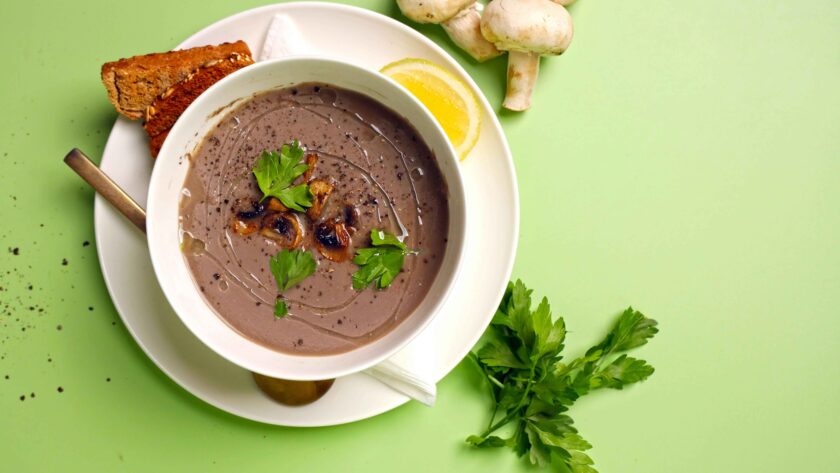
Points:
[(532, 387)]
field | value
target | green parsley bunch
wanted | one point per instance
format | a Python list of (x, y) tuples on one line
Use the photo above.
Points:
[(533, 387)]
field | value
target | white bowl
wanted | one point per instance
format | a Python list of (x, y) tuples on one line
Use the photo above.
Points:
[(165, 194)]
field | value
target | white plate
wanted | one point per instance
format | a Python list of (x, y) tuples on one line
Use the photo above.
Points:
[(370, 40)]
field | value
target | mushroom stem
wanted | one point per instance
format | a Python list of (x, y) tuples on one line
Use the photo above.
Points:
[(522, 72), (465, 31)]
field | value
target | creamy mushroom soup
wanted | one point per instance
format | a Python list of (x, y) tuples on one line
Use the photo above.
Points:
[(366, 169)]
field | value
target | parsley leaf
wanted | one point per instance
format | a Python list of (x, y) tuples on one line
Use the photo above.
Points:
[(532, 387), (381, 263), (632, 330), (296, 198), (621, 372), (381, 238), (275, 173), (289, 267)]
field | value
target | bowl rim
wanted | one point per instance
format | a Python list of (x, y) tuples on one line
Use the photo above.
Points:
[(456, 202)]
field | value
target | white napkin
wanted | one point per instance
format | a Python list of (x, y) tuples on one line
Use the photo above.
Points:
[(409, 371), (284, 39)]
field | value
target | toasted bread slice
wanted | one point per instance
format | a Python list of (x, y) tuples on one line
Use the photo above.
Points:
[(134, 83), (165, 110)]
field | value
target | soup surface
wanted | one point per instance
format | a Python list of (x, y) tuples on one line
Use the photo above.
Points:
[(382, 175)]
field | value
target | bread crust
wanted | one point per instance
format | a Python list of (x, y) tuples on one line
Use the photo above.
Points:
[(134, 83), (156, 142), (166, 108)]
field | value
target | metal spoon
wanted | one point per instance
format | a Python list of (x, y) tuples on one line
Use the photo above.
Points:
[(292, 393)]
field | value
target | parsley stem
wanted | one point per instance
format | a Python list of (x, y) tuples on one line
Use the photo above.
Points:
[(495, 381), (493, 416), (515, 411)]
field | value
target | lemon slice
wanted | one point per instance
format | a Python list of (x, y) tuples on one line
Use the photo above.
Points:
[(451, 101)]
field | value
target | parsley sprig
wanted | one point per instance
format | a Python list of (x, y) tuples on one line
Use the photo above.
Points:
[(380, 263), (532, 387), (275, 173), (290, 267)]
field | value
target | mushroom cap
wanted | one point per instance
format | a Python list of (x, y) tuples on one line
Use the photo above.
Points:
[(537, 26), (432, 11)]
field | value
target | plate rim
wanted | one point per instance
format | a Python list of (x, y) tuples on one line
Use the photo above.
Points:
[(100, 204)]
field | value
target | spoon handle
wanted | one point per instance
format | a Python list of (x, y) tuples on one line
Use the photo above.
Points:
[(107, 188)]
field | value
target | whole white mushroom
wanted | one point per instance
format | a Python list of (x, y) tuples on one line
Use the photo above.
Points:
[(461, 19), (527, 29)]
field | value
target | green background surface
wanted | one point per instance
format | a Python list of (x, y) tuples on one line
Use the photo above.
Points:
[(682, 157)]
